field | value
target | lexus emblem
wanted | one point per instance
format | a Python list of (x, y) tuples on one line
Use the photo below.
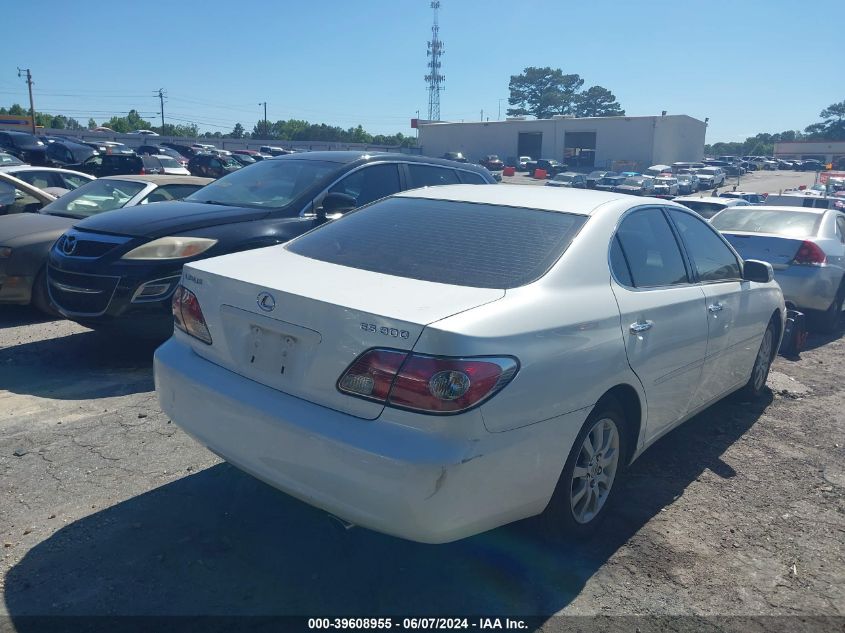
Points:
[(266, 302), (69, 245)]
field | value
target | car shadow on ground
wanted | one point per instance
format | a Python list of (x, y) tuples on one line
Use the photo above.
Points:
[(220, 542), (103, 366), (14, 316)]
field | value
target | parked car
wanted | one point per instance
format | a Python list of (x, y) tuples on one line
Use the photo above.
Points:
[(629, 174), (636, 186), (568, 179), (685, 167), (456, 156), (7, 160), (594, 177), (804, 246), (185, 150), (549, 165), (141, 251), (748, 196), (811, 165), (609, 183), (158, 150), (17, 196), (687, 183), (111, 165), (163, 164), (710, 177), (710, 206), (658, 170), (522, 163), (23, 146), (53, 180), (273, 150), (203, 147), (454, 367), (212, 166), (25, 239), (665, 187), (492, 162), (62, 153), (244, 159), (144, 132)]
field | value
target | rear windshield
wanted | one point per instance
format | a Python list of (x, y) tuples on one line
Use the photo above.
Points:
[(103, 194), (786, 223), (705, 209), (457, 243)]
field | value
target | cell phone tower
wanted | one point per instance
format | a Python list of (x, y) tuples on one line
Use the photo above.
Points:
[(434, 78)]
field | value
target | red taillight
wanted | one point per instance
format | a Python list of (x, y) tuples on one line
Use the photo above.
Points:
[(187, 314), (810, 254), (142, 172), (426, 383)]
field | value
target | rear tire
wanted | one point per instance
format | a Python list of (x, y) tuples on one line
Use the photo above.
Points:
[(591, 476), (762, 363), (827, 322)]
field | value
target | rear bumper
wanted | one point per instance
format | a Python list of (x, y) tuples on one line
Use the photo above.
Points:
[(809, 287), (375, 473)]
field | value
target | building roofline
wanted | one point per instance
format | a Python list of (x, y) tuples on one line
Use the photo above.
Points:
[(586, 118)]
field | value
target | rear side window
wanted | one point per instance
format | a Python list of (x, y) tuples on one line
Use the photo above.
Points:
[(651, 251), (471, 178), (431, 176), (712, 259), (369, 183), (457, 243)]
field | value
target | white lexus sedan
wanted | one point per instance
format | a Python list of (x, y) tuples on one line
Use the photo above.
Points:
[(451, 359)]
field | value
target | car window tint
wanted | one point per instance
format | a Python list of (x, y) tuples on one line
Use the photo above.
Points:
[(41, 179), (711, 257), (471, 178), (431, 176), (458, 243), (177, 192), (369, 184), (618, 265), (651, 250)]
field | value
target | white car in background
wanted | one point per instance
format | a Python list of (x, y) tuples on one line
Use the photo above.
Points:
[(710, 177), (498, 353), (54, 180)]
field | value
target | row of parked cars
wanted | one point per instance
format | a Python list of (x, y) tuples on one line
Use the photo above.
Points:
[(111, 158), (512, 349)]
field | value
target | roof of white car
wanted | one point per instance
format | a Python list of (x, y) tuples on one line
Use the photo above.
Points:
[(12, 169), (760, 207), (728, 202), (580, 201)]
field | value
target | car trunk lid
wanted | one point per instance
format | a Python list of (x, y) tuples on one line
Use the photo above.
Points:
[(778, 250), (295, 324)]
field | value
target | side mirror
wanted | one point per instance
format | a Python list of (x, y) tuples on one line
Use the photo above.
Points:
[(336, 202), (755, 270), (7, 194)]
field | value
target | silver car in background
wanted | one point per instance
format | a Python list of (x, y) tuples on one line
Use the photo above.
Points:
[(806, 248), (709, 206)]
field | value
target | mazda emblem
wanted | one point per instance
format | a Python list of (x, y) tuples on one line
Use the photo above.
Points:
[(69, 245), (266, 302)]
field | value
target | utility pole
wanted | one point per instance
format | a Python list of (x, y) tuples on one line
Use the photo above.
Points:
[(482, 114), (161, 100), (266, 130), (31, 102)]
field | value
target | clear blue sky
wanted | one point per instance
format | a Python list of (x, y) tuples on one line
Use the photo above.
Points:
[(748, 65)]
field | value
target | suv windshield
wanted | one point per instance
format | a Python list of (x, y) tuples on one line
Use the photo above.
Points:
[(486, 246), (267, 184), (103, 194)]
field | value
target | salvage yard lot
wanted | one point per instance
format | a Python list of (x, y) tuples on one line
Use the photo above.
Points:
[(107, 508)]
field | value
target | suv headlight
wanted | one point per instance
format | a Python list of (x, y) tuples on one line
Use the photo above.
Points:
[(171, 248)]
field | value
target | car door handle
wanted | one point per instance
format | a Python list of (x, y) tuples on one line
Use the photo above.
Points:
[(715, 307), (640, 326)]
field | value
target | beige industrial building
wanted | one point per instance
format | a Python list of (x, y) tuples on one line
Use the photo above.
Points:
[(601, 142), (825, 151)]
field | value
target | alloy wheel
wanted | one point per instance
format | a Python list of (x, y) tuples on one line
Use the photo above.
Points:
[(595, 470)]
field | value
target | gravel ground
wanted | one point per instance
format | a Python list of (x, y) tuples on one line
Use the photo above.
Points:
[(107, 508)]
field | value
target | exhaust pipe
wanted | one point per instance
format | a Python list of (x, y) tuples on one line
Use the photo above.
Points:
[(346, 525)]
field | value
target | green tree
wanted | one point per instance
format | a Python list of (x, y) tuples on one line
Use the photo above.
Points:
[(92, 124), (832, 126), (597, 101), (237, 131), (132, 121), (543, 92)]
